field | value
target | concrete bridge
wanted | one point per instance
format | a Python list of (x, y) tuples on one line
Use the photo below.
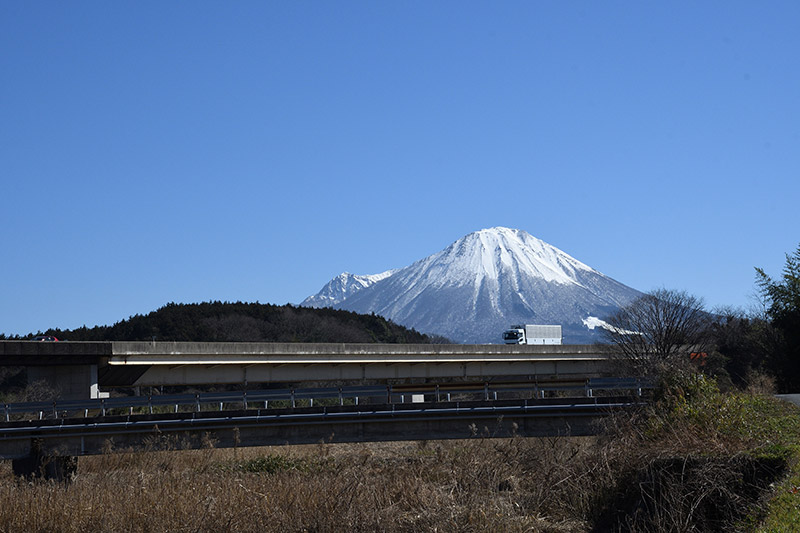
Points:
[(49, 447), (83, 369), (76, 435)]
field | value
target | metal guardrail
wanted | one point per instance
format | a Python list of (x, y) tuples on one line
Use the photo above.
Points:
[(200, 402), (87, 436), (393, 411)]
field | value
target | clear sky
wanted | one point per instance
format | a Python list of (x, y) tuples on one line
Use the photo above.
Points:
[(155, 152)]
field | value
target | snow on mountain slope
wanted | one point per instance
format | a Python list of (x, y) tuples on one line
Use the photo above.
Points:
[(476, 287), (342, 286)]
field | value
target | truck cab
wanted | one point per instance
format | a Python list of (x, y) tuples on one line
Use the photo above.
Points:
[(514, 335)]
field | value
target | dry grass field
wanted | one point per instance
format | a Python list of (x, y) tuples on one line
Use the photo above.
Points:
[(479, 485), (702, 461)]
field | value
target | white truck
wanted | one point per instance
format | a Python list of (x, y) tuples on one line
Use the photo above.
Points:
[(532, 334)]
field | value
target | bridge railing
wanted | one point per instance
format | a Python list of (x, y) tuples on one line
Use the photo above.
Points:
[(290, 398)]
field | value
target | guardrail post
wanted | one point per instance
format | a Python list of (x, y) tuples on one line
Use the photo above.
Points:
[(486, 391), (197, 402), (55, 411), (388, 393), (8, 419), (103, 406), (437, 392), (244, 400), (341, 398), (150, 403), (291, 396)]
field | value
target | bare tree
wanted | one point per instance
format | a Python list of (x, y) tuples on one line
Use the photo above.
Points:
[(656, 333)]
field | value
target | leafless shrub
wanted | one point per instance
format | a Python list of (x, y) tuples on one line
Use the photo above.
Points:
[(690, 493), (38, 391), (759, 383), (654, 335)]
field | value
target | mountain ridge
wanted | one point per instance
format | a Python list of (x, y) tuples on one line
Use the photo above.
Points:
[(245, 322), (342, 286)]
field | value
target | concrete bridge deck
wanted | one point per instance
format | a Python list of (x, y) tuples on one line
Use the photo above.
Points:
[(126, 352), (78, 367)]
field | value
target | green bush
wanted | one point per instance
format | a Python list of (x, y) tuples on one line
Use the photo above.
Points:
[(695, 405), (269, 464)]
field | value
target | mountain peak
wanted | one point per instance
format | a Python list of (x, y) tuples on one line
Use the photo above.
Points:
[(491, 252)]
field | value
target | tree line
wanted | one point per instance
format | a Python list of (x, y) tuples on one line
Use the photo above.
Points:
[(666, 333), (245, 322)]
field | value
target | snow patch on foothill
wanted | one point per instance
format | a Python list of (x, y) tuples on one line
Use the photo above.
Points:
[(592, 322)]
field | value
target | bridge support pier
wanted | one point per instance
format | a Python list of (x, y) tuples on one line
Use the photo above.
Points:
[(39, 465), (72, 382)]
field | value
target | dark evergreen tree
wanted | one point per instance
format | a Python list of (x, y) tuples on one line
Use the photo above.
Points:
[(782, 299), (744, 343)]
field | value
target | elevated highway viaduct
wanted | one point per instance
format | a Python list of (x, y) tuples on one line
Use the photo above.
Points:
[(82, 370)]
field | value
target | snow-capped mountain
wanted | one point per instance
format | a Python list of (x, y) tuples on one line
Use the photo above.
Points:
[(482, 283)]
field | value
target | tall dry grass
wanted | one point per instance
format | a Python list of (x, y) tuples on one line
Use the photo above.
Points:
[(479, 485)]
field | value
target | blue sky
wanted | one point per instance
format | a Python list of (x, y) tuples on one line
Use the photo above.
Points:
[(153, 152)]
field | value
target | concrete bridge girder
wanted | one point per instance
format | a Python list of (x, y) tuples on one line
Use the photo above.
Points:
[(110, 364), (157, 375)]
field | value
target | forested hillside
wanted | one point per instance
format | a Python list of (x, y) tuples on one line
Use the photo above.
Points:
[(247, 322)]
